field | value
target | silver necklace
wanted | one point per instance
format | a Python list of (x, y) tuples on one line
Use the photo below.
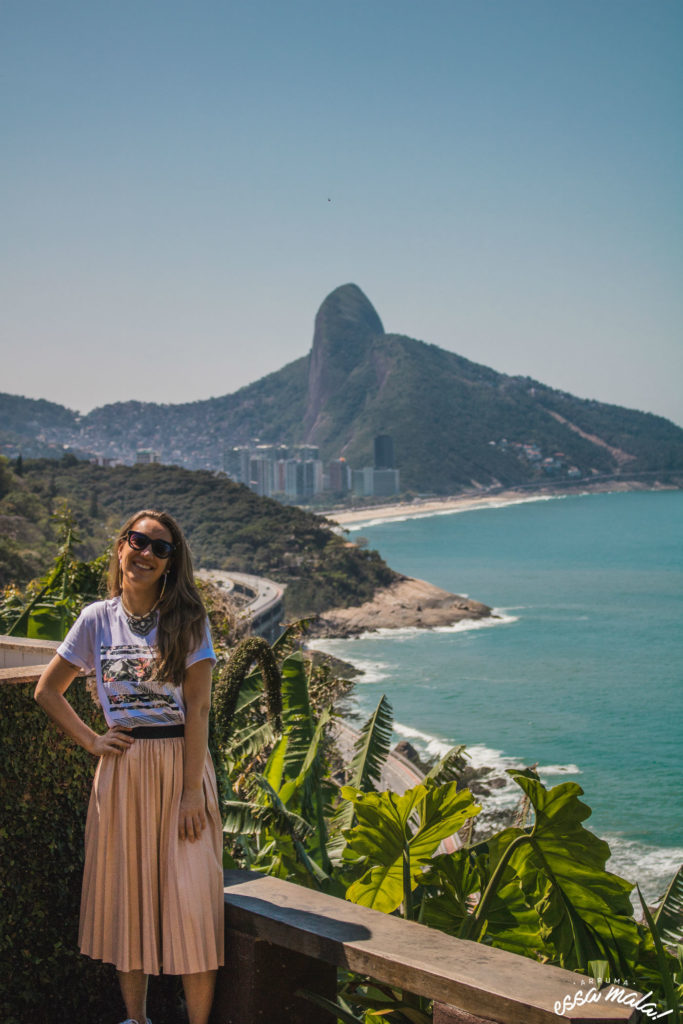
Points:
[(141, 625)]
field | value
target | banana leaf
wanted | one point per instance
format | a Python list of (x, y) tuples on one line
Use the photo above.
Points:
[(663, 965), (449, 768), (371, 749), (298, 720), (370, 753)]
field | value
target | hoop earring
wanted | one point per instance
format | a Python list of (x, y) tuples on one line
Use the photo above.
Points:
[(163, 588)]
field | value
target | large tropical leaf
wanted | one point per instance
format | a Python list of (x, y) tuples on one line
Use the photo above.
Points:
[(584, 911), (449, 881), (668, 917), (388, 842)]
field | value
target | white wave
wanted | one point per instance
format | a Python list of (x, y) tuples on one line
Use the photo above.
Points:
[(476, 506), (379, 521), (558, 769), (431, 745), (497, 618), (372, 671), (396, 633), (509, 794), (652, 867)]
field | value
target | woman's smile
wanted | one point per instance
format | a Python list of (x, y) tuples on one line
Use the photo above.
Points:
[(137, 566)]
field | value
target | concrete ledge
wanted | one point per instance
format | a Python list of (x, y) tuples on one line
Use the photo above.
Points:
[(491, 984)]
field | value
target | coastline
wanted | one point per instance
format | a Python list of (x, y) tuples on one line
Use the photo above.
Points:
[(413, 603), (406, 603), (470, 501)]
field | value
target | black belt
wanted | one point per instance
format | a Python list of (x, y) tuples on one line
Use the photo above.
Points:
[(156, 732)]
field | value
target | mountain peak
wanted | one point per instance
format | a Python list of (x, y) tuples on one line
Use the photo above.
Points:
[(345, 326), (348, 305)]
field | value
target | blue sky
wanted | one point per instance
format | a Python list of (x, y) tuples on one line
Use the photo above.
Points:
[(183, 183)]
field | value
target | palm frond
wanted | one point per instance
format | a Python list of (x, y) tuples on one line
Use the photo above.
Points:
[(668, 982), (250, 741), (371, 749), (248, 817), (297, 715), (450, 766), (668, 917), (289, 822)]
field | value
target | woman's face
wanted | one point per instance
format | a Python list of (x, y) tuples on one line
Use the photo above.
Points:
[(143, 568)]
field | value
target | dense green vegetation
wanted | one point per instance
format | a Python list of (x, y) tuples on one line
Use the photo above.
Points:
[(539, 888), (228, 527)]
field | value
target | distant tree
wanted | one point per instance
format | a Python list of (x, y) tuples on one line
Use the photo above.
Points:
[(19, 465), (6, 478)]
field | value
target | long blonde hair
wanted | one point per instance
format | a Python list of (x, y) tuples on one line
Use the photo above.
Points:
[(182, 616)]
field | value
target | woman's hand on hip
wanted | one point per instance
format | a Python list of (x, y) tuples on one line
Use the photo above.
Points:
[(115, 740), (192, 814)]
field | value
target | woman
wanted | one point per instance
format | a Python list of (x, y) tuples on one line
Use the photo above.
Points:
[(152, 898)]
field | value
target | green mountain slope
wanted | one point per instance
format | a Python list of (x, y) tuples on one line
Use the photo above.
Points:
[(227, 525), (454, 423)]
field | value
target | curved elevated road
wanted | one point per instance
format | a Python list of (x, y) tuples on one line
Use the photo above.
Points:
[(260, 599)]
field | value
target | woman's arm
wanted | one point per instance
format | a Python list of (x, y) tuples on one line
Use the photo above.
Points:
[(197, 695), (52, 685)]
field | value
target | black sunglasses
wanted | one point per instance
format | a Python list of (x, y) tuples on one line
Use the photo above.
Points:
[(140, 541)]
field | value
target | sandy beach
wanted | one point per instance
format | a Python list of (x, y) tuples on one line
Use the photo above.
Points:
[(469, 501), (416, 603)]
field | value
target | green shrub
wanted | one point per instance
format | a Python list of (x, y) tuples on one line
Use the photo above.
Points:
[(45, 782)]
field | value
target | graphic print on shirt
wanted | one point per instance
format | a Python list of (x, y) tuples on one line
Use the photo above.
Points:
[(129, 678)]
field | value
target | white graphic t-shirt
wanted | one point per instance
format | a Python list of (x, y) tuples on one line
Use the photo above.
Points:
[(125, 666)]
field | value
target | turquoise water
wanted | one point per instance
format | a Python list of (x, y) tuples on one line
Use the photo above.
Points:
[(582, 673)]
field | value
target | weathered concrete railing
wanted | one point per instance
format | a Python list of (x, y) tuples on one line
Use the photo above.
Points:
[(31, 656), (281, 938)]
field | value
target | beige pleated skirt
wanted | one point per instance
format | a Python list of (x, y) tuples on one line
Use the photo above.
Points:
[(151, 901)]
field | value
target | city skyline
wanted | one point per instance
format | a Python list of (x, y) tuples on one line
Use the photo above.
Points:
[(182, 189)]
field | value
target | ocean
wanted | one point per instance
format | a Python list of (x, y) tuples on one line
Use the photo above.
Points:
[(581, 672)]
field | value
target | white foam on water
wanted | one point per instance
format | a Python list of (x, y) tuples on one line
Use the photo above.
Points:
[(498, 617), (403, 517), (558, 769), (431, 745), (396, 633), (651, 867), (373, 671)]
